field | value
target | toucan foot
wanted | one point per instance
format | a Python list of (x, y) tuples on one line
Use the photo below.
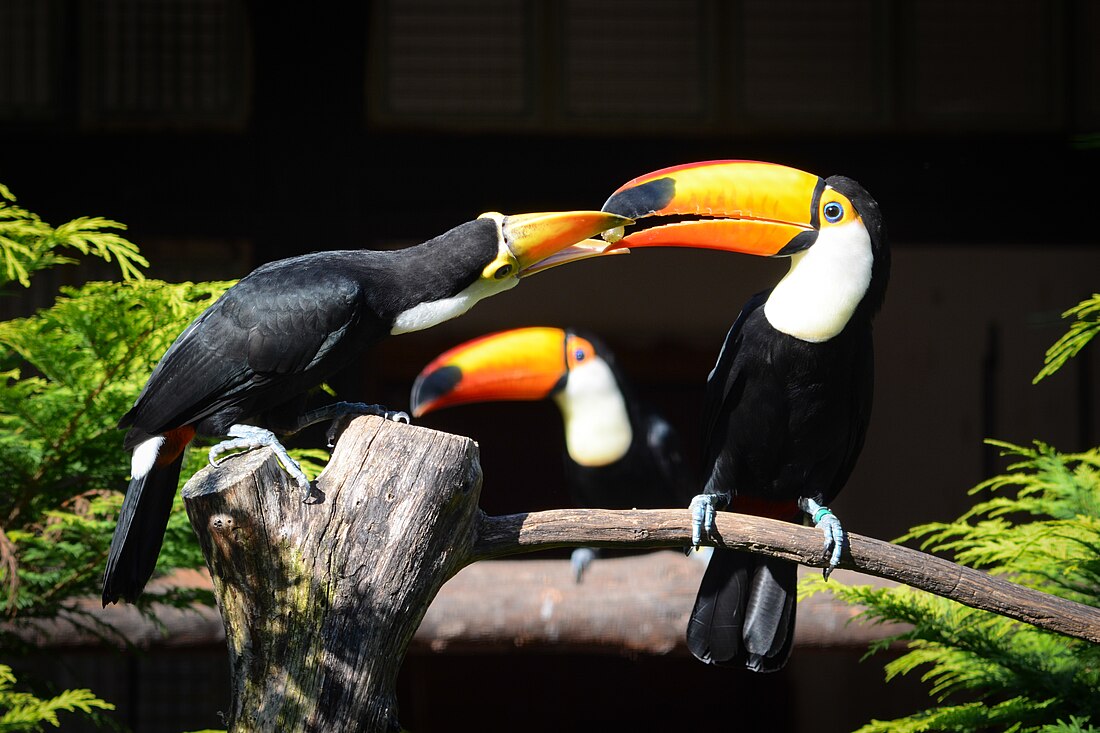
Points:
[(250, 437), (581, 558), (343, 413), (835, 536), (362, 408), (704, 516)]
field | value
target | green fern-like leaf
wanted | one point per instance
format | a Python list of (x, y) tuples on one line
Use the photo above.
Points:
[(22, 711), (28, 244), (1081, 331), (1039, 525), (68, 373)]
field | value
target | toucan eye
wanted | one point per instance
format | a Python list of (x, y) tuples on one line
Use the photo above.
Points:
[(833, 211), (579, 354), (502, 272)]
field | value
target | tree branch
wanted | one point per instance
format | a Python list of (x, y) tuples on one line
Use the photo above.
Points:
[(320, 601), (517, 533)]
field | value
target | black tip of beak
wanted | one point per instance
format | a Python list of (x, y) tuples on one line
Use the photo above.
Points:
[(641, 201), (435, 385)]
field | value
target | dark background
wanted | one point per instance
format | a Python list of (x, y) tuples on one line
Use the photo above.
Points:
[(229, 133)]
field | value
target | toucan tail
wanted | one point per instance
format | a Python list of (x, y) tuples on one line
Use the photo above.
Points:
[(143, 519), (744, 612)]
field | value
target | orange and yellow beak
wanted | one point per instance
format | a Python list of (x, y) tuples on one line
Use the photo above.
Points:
[(545, 240), (520, 364), (746, 206)]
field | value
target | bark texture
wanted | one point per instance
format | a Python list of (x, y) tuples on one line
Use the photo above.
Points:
[(669, 528), (321, 600)]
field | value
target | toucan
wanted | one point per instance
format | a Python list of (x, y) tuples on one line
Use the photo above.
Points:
[(619, 453), (787, 404), (243, 367)]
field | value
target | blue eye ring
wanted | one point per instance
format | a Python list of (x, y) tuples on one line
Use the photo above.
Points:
[(833, 212), (579, 354)]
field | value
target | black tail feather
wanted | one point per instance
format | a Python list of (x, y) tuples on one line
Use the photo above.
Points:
[(140, 532), (769, 617), (714, 631), (744, 613)]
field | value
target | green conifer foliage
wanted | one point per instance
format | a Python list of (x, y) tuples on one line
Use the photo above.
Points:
[(28, 244), (1037, 525), (1086, 324), (67, 374)]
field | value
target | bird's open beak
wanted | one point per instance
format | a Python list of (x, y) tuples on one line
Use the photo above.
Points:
[(521, 364), (542, 241), (745, 206)]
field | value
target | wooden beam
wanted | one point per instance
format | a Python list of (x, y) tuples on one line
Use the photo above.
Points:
[(630, 605), (626, 605)]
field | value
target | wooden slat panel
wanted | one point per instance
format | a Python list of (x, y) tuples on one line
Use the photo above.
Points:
[(973, 65), (810, 65), (455, 57), (29, 38), (172, 63), (635, 60)]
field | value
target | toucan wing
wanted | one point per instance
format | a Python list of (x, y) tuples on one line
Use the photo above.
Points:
[(271, 331), (725, 389)]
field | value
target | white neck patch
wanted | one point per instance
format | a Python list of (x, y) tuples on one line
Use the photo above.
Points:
[(432, 313), (597, 424), (825, 284)]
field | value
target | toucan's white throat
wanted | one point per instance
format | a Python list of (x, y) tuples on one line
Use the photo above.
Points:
[(434, 312), (597, 424), (825, 284)]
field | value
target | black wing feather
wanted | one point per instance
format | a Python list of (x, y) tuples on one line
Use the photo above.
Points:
[(280, 330)]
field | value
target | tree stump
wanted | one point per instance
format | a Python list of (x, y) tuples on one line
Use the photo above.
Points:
[(321, 600)]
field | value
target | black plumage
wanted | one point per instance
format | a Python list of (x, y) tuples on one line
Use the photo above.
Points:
[(290, 324), (252, 356), (784, 419)]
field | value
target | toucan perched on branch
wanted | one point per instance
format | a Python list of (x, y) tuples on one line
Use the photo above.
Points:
[(619, 454), (242, 368), (788, 401)]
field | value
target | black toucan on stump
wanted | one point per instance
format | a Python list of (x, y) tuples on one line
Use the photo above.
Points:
[(321, 600)]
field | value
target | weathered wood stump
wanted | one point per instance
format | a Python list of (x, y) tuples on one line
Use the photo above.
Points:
[(321, 600)]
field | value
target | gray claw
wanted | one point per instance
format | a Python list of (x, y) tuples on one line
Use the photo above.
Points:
[(704, 508), (362, 408), (250, 437), (835, 537), (344, 412)]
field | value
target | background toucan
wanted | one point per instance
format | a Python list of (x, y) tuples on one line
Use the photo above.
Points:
[(619, 453), (243, 367), (788, 401)]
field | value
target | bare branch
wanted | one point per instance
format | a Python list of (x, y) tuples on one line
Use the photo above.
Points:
[(320, 601), (517, 533)]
